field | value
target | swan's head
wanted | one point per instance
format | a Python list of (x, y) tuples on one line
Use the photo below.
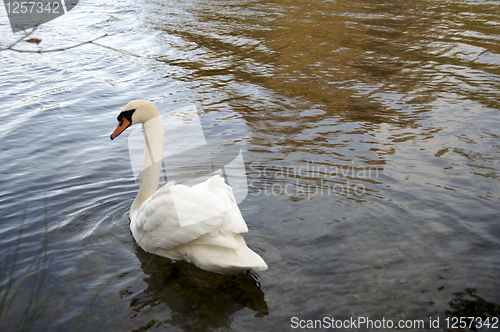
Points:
[(137, 111)]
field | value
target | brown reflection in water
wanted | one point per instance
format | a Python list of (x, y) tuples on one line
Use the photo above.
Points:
[(298, 71), (327, 51)]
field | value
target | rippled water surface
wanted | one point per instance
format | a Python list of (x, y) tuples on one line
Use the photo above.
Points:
[(370, 138)]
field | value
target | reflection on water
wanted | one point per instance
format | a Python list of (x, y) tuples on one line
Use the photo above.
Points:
[(369, 134), (198, 300)]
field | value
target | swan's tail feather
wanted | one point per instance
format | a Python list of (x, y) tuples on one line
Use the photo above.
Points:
[(217, 240), (221, 259)]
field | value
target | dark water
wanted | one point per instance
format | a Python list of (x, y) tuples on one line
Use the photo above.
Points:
[(370, 136)]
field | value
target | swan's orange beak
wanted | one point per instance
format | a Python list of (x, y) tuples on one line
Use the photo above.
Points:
[(124, 124)]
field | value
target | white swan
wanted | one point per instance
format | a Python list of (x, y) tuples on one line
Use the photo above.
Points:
[(200, 224)]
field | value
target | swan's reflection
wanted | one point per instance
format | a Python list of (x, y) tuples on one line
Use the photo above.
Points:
[(198, 300)]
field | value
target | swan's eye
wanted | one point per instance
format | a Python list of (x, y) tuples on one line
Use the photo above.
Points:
[(125, 115)]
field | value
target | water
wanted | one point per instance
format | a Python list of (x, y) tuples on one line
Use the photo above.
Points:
[(370, 136)]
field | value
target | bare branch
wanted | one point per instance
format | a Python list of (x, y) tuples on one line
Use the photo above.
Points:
[(27, 34), (116, 49), (11, 47)]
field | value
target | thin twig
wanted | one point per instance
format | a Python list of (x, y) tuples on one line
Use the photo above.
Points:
[(11, 48), (115, 49), (20, 39)]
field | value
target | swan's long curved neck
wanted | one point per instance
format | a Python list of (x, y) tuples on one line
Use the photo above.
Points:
[(151, 166)]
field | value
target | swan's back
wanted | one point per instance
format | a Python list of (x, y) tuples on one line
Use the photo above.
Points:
[(200, 224)]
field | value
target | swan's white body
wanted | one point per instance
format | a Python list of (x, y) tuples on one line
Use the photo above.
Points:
[(201, 224)]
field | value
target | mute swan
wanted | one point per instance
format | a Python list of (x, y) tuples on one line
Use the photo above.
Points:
[(201, 224)]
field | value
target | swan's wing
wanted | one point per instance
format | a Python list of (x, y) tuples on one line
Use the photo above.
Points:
[(176, 214)]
